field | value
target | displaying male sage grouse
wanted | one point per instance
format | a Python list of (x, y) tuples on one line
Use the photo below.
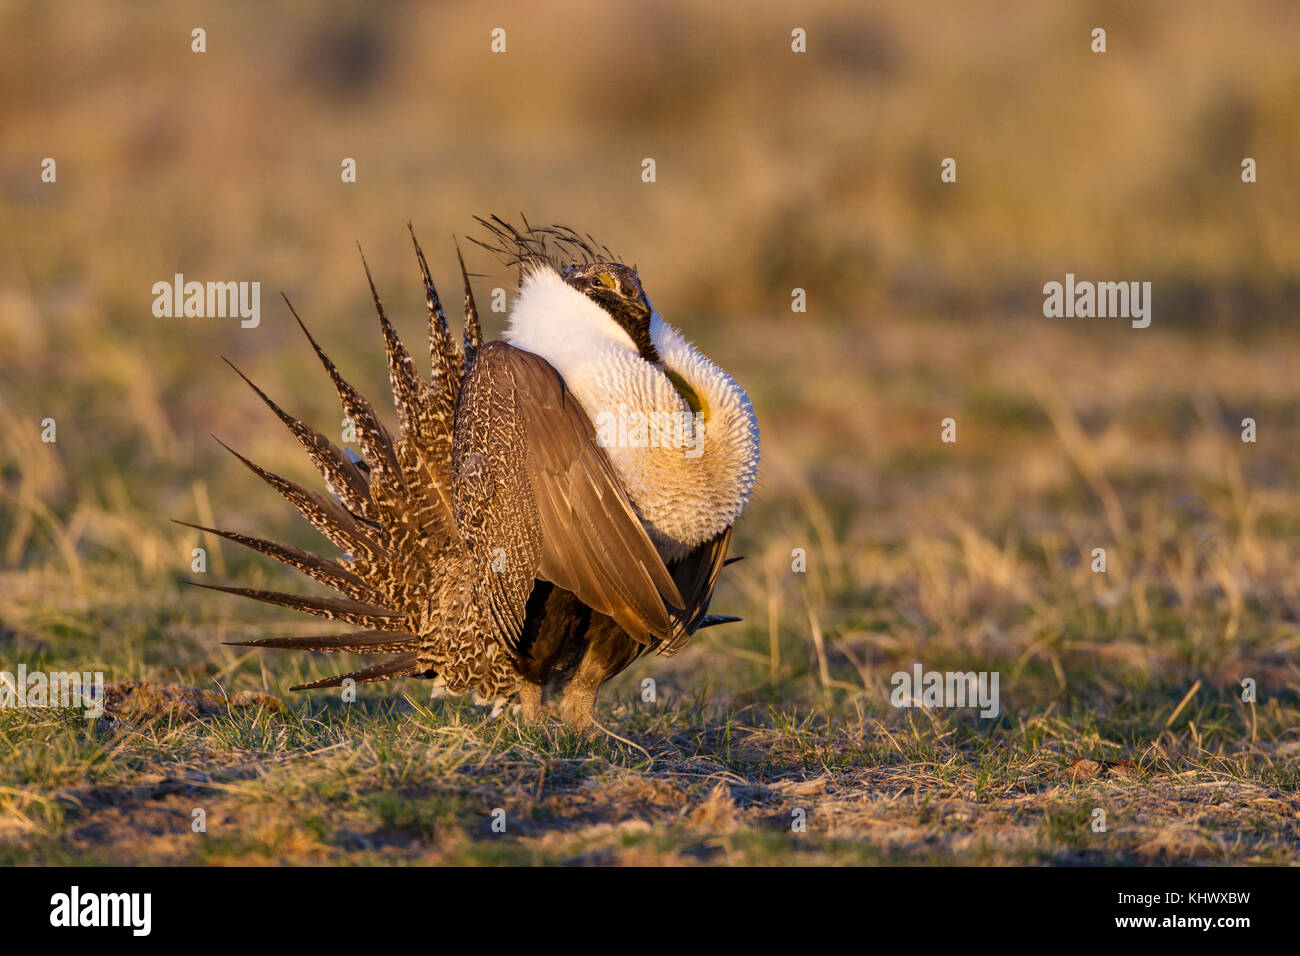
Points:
[(552, 506)]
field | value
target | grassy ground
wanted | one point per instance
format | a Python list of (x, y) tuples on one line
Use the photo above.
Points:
[(1121, 691), (955, 557)]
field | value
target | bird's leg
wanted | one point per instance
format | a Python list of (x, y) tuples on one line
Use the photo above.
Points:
[(609, 651), (579, 707), (530, 701)]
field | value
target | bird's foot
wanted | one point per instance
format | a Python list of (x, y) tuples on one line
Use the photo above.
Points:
[(530, 702)]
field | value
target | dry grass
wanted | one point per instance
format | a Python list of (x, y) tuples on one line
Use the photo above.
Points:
[(924, 304)]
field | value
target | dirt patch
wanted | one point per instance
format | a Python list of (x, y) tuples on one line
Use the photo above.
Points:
[(139, 701)]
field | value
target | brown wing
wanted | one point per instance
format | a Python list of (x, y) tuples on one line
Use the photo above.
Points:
[(537, 497)]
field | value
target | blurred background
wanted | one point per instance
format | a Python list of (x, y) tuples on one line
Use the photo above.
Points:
[(775, 170)]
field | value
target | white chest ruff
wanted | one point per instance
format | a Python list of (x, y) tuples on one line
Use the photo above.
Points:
[(688, 475)]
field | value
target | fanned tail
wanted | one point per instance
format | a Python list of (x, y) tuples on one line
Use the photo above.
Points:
[(390, 515)]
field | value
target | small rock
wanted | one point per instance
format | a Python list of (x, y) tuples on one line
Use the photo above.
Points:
[(802, 788), (1085, 768)]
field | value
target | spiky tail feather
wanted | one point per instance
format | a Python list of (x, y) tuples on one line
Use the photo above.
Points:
[(713, 620), (392, 519)]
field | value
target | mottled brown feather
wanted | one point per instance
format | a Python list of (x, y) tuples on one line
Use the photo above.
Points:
[(340, 473), (356, 642), (328, 517), (318, 568), (334, 609), (404, 665)]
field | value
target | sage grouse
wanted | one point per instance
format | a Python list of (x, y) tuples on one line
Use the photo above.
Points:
[(552, 506)]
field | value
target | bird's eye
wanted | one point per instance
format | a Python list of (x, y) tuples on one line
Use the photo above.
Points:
[(605, 279)]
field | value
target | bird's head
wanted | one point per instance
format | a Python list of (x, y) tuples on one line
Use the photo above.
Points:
[(610, 307), (616, 288)]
